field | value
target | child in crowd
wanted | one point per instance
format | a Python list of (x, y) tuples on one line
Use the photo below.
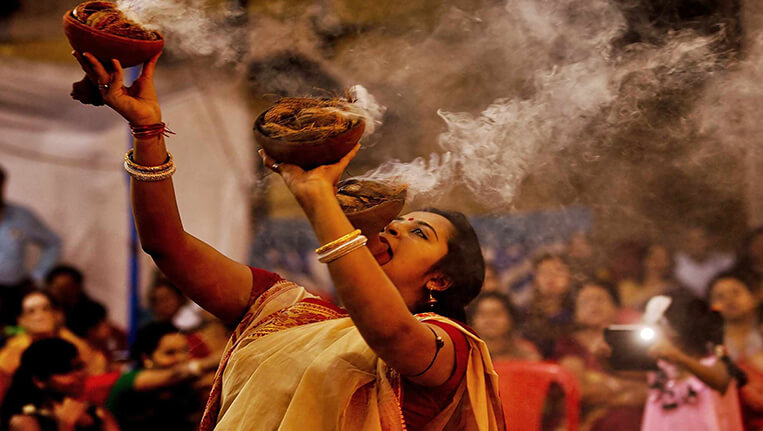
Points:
[(736, 296), (695, 387), (46, 392), (494, 318)]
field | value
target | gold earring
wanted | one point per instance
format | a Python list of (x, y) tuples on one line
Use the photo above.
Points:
[(432, 300)]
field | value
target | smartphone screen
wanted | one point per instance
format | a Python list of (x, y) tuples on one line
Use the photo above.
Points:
[(629, 344)]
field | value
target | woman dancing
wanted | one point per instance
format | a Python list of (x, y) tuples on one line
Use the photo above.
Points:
[(397, 357)]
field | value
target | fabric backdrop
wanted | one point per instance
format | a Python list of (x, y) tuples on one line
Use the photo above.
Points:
[(63, 161)]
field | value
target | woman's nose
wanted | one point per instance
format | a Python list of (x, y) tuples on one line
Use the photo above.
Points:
[(392, 229)]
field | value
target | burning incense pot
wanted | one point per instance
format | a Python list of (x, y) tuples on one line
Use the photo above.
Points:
[(309, 132), (101, 29), (370, 206)]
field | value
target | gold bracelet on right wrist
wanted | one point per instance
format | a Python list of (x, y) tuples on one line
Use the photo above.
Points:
[(149, 173)]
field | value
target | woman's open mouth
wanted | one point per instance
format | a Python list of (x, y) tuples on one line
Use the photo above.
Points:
[(385, 253)]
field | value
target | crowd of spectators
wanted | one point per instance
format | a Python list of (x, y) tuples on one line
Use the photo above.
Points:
[(65, 365)]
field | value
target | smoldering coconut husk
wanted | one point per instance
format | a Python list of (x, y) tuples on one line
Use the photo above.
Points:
[(356, 195), (104, 16), (309, 119)]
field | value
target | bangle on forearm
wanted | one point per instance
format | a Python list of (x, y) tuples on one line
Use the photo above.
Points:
[(145, 131), (343, 249), (149, 173), (338, 242)]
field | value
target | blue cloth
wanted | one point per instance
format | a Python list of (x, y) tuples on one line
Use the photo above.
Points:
[(20, 228)]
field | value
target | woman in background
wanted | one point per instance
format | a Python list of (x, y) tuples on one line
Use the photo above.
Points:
[(549, 315), (159, 393), (494, 318), (610, 402), (46, 392), (655, 278)]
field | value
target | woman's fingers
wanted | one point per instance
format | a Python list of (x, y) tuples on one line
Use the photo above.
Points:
[(85, 63), (118, 72), (283, 169), (345, 161), (103, 77), (150, 66)]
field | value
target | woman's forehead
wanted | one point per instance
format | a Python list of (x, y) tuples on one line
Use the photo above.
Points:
[(441, 224), (35, 300)]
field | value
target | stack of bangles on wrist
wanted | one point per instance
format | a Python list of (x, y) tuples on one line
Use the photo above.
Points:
[(149, 173), (145, 131), (341, 247)]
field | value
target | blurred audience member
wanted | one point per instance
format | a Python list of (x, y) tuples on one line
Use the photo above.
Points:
[(582, 257), (655, 278), (19, 229), (751, 256), (625, 262), (492, 281), (66, 285), (158, 395), (168, 304), (46, 392), (609, 401), (698, 263), (735, 296), (549, 315), (39, 319), (695, 387), (91, 324), (494, 318)]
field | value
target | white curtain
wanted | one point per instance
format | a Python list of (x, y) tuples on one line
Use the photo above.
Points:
[(63, 161)]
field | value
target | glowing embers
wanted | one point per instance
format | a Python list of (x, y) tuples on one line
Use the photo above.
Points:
[(104, 16)]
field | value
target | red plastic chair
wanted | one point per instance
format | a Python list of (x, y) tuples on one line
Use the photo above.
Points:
[(524, 386)]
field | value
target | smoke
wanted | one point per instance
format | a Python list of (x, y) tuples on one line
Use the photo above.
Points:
[(369, 108), (191, 28), (584, 92)]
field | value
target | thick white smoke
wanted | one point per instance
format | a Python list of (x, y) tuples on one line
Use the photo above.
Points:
[(192, 28), (583, 90)]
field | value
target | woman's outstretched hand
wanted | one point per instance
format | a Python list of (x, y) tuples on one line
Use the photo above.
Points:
[(137, 103), (304, 184)]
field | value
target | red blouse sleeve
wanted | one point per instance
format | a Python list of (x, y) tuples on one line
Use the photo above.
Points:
[(461, 350), (261, 281)]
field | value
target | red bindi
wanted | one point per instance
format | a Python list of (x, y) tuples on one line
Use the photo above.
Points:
[(410, 219)]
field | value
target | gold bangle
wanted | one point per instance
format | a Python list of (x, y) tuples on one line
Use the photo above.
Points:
[(165, 166), (343, 250), (150, 176), (337, 242)]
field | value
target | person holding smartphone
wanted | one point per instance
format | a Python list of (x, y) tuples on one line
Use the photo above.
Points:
[(695, 386)]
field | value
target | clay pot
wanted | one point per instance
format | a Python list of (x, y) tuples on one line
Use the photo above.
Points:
[(105, 46), (309, 154), (372, 220)]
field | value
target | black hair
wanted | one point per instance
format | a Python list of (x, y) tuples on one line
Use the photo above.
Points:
[(69, 270), (87, 316), (463, 265), (537, 260), (608, 287), (699, 328), (161, 281), (148, 339), (503, 299), (41, 360), (750, 281)]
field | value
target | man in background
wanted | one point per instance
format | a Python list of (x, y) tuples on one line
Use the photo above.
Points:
[(20, 229)]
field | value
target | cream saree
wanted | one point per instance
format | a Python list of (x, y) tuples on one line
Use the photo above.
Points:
[(295, 363)]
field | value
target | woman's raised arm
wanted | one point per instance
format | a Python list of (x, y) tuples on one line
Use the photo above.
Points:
[(215, 282)]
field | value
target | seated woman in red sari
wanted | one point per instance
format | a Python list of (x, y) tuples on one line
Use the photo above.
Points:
[(397, 356)]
